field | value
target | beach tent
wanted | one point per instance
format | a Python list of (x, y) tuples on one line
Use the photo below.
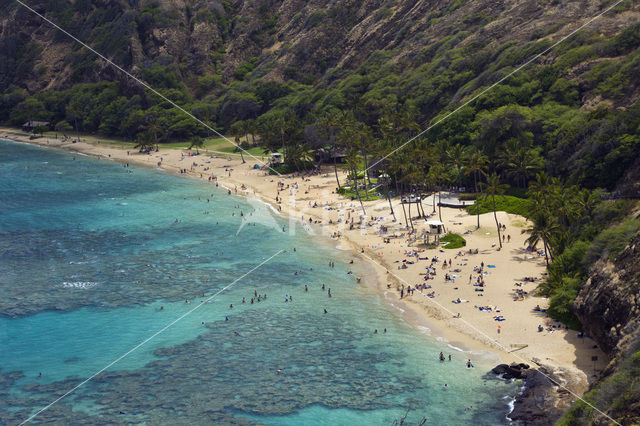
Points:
[(435, 227)]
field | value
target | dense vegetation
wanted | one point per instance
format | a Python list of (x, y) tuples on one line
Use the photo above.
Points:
[(550, 142), (529, 133)]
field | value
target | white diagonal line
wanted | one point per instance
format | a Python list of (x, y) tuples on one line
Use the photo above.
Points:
[(142, 83), (148, 339), (473, 98), (494, 341)]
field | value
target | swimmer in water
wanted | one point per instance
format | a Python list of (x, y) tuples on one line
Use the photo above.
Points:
[(325, 311)]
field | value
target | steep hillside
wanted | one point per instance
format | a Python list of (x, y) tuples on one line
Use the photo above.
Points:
[(246, 66), (609, 308), (362, 77)]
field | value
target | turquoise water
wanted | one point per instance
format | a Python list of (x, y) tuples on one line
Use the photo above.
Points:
[(96, 257)]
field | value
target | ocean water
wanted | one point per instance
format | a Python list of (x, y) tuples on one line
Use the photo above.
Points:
[(96, 257)]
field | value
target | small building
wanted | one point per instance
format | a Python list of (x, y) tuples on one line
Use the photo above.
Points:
[(435, 227), (276, 158), (29, 126)]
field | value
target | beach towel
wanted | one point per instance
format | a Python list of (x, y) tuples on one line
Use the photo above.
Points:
[(491, 266)]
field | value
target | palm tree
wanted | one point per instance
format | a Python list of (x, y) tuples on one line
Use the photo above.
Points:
[(364, 138), (196, 142), (524, 163), (250, 126), (239, 148), (542, 186), (153, 128), (543, 229), (352, 165), (477, 164), (331, 122), (457, 156), (587, 201), (494, 187), (437, 172), (385, 182)]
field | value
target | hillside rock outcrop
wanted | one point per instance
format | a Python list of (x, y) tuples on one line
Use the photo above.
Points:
[(608, 305)]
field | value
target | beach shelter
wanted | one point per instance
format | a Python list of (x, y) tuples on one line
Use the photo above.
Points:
[(435, 227), (276, 158)]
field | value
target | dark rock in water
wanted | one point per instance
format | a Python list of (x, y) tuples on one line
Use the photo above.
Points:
[(543, 397), (534, 406), (513, 371)]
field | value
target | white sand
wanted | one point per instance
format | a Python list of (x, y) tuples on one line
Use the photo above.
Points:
[(518, 339)]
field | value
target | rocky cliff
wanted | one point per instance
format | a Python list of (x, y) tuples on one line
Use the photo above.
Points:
[(609, 308), (609, 303), (283, 39)]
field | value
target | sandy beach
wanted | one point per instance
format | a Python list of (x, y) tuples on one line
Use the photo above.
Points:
[(470, 324)]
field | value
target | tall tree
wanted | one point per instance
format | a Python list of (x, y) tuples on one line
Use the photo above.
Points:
[(494, 187), (543, 229), (196, 142), (352, 164), (477, 165)]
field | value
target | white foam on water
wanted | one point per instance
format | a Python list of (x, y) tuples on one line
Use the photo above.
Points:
[(455, 348), (424, 330), (398, 308), (78, 284)]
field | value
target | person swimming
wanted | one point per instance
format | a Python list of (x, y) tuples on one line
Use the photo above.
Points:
[(441, 356)]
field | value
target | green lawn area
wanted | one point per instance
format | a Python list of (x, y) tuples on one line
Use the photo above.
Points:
[(505, 203), (369, 195), (218, 144), (212, 143), (255, 151), (454, 241)]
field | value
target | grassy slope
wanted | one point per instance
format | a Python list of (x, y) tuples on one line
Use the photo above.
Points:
[(506, 203)]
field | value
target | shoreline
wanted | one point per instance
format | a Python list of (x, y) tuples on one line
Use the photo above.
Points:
[(364, 244)]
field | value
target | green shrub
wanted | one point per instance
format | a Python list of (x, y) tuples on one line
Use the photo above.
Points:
[(244, 69), (467, 197), (453, 241), (611, 241), (316, 18), (562, 300)]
